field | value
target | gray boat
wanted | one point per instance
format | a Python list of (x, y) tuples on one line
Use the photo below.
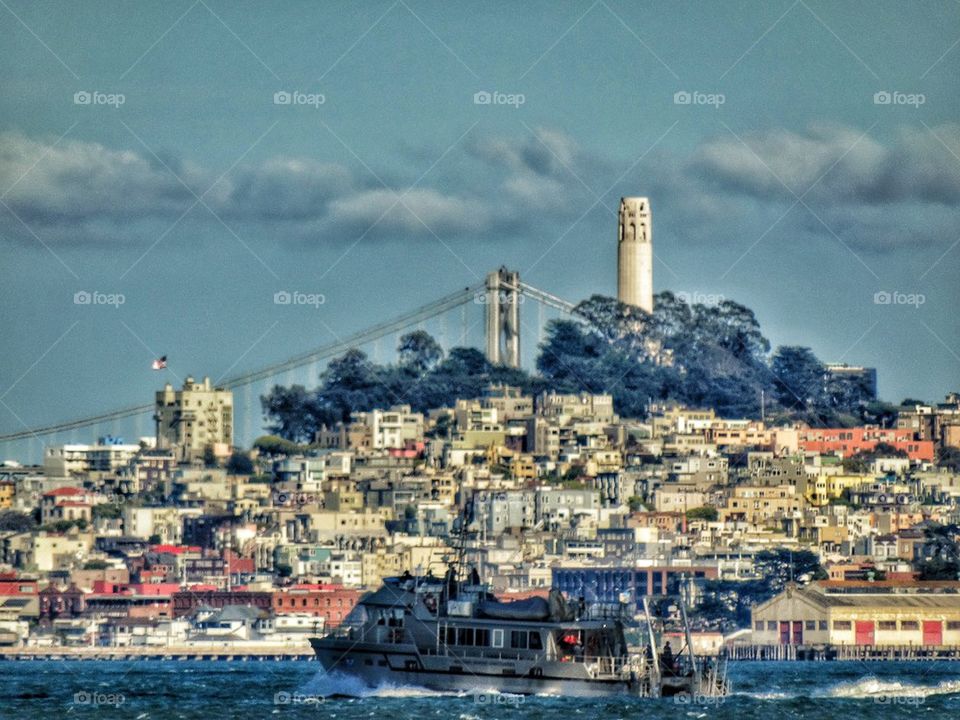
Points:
[(452, 636)]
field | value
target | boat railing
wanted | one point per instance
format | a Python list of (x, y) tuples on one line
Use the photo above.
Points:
[(605, 611)]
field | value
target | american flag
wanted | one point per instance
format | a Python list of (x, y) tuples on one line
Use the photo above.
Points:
[(160, 363)]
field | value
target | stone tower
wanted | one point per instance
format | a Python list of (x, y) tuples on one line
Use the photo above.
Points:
[(635, 254)]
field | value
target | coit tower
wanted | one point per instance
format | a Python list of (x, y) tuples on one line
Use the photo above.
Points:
[(635, 254)]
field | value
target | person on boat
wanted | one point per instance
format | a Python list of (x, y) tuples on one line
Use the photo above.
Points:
[(667, 659)]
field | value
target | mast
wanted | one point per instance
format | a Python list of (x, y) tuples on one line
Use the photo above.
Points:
[(655, 657), (689, 641)]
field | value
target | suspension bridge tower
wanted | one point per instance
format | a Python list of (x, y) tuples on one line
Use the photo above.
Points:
[(502, 299)]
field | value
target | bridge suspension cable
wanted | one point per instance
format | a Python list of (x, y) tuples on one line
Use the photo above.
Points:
[(424, 312), (547, 299)]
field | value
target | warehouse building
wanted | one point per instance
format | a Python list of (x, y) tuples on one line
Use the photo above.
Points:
[(862, 613)]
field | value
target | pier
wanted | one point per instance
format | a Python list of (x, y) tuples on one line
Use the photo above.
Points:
[(877, 653), (181, 653)]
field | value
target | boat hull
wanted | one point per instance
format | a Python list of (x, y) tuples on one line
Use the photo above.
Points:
[(377, 666)]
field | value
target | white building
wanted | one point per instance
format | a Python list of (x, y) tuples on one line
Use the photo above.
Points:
[(635, 253)]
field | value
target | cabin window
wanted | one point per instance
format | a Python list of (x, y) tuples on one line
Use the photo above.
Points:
[(841, 625), (909, 625), (518, 639), (535, 643), (810, 625), (465, 636), (887, 625), (953, 624), (758, 625), (451, 638), (498, 638), (481, 637)]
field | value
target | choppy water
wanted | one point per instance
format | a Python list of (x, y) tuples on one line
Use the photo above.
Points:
[(154, 690)]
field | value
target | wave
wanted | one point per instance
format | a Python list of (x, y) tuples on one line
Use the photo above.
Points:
[(873, 687), (341, 685), (867, 687)]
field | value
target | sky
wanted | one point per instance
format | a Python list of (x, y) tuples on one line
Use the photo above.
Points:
[(177, 164)]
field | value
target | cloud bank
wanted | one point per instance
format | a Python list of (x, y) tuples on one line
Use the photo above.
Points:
[(877, 195)]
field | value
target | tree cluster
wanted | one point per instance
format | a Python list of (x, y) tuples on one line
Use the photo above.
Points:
[(707, 356)]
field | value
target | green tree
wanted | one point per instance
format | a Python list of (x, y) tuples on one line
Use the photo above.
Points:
[(703, 513), (294, 414), (13, 521), (419, 352), (110, 511), (239, 464), (799, 377), (275, 446), (209, 458), (941, 553)]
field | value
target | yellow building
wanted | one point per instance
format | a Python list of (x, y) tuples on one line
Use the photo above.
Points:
[(7, 493), (820, 489), (195, 418), (758, 504), (380, 564)]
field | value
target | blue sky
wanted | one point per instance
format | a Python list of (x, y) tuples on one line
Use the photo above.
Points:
[(786, 183)]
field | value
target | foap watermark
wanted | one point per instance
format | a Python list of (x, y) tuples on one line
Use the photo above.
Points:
[(295, 297), (283, 497), (899, 699), (895, 297), (695, 297), (96, 97), (295, 97), (85, 297), (514, 100), (503, 297), (295, 698), (685, 97), (495, 698), (698, 699), (885, 97), (96, 698)]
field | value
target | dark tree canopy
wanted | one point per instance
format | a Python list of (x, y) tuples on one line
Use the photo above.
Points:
[(707, 356)]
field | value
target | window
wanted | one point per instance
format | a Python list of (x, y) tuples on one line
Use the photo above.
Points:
[(498, 638), (841, 625), (518, 639), (810, 625), (758, 625), (953, 624), (481, 637), (771, 624), (887, 625), (822, 624), (909, 625), (465, 636), (535, 643)]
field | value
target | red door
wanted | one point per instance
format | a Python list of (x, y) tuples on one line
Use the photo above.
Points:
[(932, 632), (784, 632), (864, 632), (798, 632)]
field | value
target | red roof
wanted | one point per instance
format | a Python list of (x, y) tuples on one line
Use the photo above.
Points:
[(64, 492), (174, 549)]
